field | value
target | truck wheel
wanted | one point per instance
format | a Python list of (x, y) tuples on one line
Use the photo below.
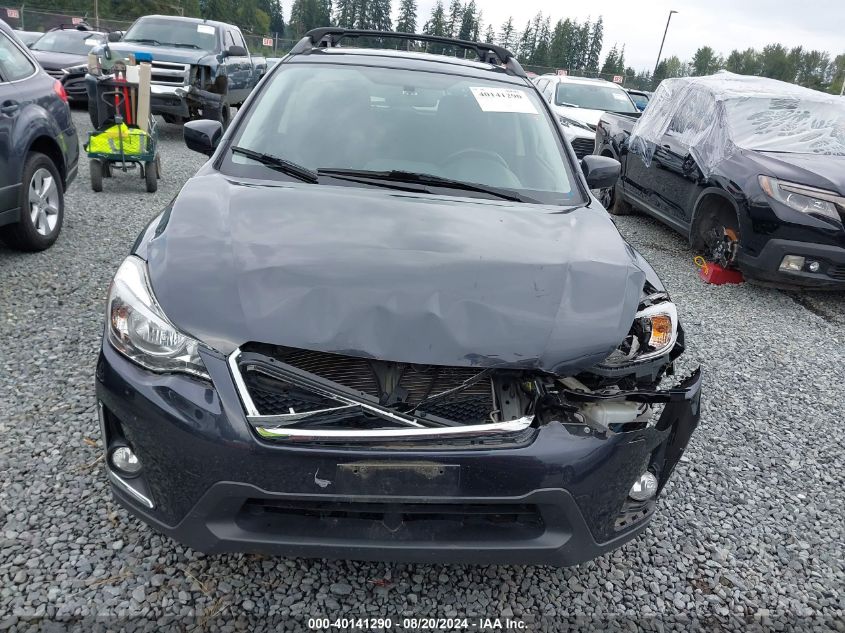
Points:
[(42, 205), (151, 176), (617, 203), (716, 232), (95, 166)]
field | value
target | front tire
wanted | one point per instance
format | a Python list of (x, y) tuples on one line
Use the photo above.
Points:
[(42, 205), (95, 166), (617, 204), (151, 176)]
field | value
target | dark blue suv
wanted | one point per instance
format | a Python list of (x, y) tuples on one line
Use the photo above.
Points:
[(39, 148)]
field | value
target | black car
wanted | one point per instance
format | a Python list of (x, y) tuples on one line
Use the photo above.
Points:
[(751, 170), (387, 320), (39, 149), (63, 53)]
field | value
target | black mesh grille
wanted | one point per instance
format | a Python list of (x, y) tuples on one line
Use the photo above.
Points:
[(583, 146), (428, 522), (836, 272), (274, 397), (399, 385)]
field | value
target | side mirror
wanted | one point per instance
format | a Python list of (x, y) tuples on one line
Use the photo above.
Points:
[(115, 36), (601, 172), (203, 135), (236, 51)]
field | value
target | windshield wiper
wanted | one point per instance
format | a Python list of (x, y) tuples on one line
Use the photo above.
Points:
[(143, 40), (568, 105), (181, 45), (426, 180), (279, 164)]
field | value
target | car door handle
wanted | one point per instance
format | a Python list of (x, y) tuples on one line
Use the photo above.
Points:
[(10, 107)]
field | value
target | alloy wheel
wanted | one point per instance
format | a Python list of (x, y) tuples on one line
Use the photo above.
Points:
[(43, 201)]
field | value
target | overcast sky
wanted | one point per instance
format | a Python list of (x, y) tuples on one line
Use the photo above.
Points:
[(722, 24)]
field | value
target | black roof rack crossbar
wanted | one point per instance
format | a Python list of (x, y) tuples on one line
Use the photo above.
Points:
[(330, 36)]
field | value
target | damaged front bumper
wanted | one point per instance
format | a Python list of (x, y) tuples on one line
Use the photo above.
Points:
[(524, 493), (184, 101)]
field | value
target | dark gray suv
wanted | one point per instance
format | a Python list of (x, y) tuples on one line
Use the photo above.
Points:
[(39, 148)]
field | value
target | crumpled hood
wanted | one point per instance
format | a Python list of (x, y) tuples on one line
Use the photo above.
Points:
[(393, 275), (161, 53)]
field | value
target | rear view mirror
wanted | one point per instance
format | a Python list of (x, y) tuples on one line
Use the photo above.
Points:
[(236, 51), (203, 135), (601, 172), (115, 36)]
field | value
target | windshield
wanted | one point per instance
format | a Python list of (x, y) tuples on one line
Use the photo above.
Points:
[(164, 32), (75, 42), (382, 120), (786, 124), (594, 97), (640, 100)]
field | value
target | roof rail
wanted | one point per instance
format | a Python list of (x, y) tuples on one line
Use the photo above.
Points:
[(80, 26), (329, 37)]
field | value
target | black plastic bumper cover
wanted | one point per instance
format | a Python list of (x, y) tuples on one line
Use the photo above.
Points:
[(553, 498)]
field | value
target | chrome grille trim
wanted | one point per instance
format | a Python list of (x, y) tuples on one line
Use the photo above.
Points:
[(279, 427), (169, 73)]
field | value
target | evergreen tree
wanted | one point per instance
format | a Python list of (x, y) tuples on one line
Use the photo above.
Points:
[(525, 43), (407, 21), (308, 14), (469, 22), (490, 35), (436, 24), (453, 22), (346, 14), (273, 8), (507, 36), (543, 45), (611, 62), (705, 61), (594, 47), (378, 17), (775, 63)]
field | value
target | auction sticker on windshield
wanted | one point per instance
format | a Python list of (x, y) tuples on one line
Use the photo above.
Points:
[(205, 28), (503, 100)]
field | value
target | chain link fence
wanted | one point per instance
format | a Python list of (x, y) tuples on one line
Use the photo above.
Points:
[(42, 20)]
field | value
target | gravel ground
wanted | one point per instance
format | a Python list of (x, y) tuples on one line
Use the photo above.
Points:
[(750, 528)]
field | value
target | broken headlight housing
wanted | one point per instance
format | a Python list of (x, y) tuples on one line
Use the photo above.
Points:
[(138, 328), (653, 333)]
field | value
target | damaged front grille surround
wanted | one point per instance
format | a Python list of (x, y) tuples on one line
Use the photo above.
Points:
[(342, 404), (290, 394)]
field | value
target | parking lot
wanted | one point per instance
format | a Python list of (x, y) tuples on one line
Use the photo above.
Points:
[(752, 531)]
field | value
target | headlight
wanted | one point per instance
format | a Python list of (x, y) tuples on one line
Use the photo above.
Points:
[(139, 329), (802, 198), (74, 70), (653, 333), (573, 123)]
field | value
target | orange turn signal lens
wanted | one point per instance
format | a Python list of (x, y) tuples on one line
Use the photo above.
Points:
[(661, 331)]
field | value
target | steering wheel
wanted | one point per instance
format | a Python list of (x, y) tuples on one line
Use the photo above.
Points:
[(481, 153)]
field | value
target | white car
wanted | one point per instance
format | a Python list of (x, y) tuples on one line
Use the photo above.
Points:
[(579, 103)]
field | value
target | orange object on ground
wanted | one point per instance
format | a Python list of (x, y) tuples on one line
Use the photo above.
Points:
[(717, 275)]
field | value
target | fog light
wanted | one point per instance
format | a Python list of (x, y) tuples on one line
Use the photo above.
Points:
[(125, 461), (813, 267), (644, 488), (792, 262)]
